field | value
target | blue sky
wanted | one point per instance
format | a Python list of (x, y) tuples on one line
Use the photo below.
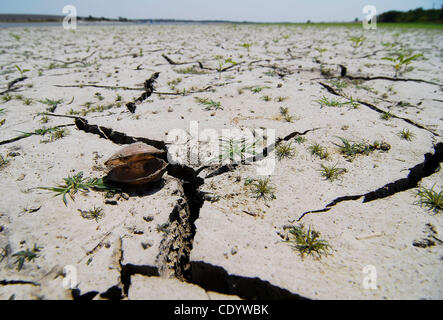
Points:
[(239, 10)]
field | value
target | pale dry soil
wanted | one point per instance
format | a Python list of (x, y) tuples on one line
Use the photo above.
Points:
[(199, 233)]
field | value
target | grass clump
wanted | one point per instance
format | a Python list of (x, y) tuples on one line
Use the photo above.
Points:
[(209, 104), (307, 242), (386, 115), (262, 189), (53, 104), (94, 214), (76, 183), (284, 150), (234, 149), (351, 149), (324, 101), (406, 134), (430, 199), (56, 135), (26, 255), (7, 97), (331, 172), (319, 151)]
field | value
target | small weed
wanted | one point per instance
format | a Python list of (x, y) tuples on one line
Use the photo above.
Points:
[(94, 214), (52, 103), (281, 99), (234, 149), (27, 101), (324, 101), (300, 139), (22, 71), (319, 151), (338, 84), (351, 149), (26, 255), (262, 189), (57, 134), (407, 134), (267, 98), (386, 115), (401, 62), (40, 132), (76, 183), (331, 172), (44, 119), (7, 97), (284, 150), (307, 241), (209, 104), (15, 36), (431, 199), (284, 111)]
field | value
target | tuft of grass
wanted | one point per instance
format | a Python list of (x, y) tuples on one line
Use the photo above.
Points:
[(324, 101), (267, 98), (209, 104), (26, 255), (352, 149), (27, 101), (7, 97), (300, 139), (53, 104), (331, 172), (262, 189), (94, 214), (431, 199), (40, 132), (407, 134), (76, 183), (284, 150), (319, 151), (57, 134), (307, 242), (281, 99), (386, 115), (234, 149), (338, 84)]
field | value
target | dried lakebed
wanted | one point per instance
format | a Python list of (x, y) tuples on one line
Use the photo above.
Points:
[(210, 230)]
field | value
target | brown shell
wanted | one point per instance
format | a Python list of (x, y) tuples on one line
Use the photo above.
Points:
[(136, 164), (139, 172), (133, 152)]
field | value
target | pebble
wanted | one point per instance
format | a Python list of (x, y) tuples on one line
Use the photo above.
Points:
[(111, 202)]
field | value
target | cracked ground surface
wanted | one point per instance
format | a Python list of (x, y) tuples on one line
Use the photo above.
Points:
[(198, 233)]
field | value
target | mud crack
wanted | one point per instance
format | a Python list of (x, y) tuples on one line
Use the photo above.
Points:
[(377, 109), (429, 166)]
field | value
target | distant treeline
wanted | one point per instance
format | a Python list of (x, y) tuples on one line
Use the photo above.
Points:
[(417, 15)]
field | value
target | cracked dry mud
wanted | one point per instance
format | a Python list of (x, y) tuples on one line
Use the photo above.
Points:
[(197, 233)]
